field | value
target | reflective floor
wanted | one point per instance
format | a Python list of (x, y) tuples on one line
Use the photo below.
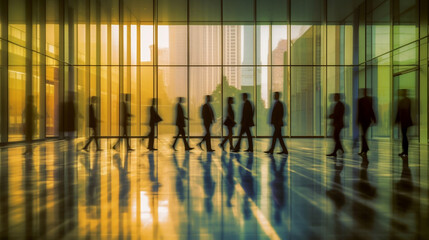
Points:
[(57, 191)]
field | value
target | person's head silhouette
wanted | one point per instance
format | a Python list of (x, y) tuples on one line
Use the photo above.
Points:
[(208, 98), (337, 97), (93, 100), (276, 96), (230, 100), (245, 96)]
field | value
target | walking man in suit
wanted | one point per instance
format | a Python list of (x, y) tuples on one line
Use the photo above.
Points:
[(229, 123), (365, 116), (180, 123), (277, 115), (338, 122), (403, 117), (246, 123), (92, 124), (154, 120), (125, 122), (208, 118)]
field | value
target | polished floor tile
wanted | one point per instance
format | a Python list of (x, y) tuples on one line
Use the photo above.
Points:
[(57, 191)]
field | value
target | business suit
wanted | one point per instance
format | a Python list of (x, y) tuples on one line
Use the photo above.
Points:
[(229, 123), (208, 119), (154, 119), (125, 122), (365, 116), (277, 122), (403, 117), (180, 123), (338, 123), (92, 125), (246, 123)]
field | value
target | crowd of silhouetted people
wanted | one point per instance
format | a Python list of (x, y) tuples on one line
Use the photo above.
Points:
[(366, 116)]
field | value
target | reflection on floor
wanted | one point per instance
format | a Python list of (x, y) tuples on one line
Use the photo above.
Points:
[(57, 191)]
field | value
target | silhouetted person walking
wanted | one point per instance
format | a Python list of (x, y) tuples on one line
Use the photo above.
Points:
[(30, 115), (338, 122), (92, 125), (365, 116), (246, 123), (154, 120), (125, 121), (208, 118), (229, 123), (403, 117), (277, 115), (180, 123)]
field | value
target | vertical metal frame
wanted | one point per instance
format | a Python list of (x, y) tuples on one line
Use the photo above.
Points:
[(4, 116), (61, 80), (42, 83), (155, 57), (138, 80), (28, 51), (98, 61), (423, 71)]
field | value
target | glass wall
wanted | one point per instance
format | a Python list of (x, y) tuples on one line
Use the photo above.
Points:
[(55, 52)]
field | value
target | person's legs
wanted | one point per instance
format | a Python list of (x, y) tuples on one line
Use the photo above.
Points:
[(336, 139), (249, 139), (280, 137), (273, 140), (237, 145), (95, 134), (151, 137), (177, 137), (404, 140), (127, 137), (182, 133), (90, 140), (208, 138), (231, 144), (365, 147), (87, 143)]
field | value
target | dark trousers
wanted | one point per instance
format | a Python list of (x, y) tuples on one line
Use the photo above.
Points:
[(151, 137), (404, 140), (207, 137), (249, 138), (337, 139), (94, 136), (278, 135), (181, 132), (124, 135), (228, 137), (364, 128)]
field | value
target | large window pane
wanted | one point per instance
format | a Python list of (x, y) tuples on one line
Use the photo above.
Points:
[(306, 45), (172, 83), (146, 94), (307, 101), (405, 22), (279, 45), (238, 46), (205, 81), (263, 100), (378, 31), (172, 45), (205, 45)]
